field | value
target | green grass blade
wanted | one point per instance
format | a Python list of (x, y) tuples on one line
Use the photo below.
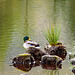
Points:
[(52, 35)]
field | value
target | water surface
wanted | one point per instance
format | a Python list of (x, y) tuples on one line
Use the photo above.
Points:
[(28, 17)]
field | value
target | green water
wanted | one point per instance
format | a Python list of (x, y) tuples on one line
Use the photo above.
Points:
[(28, 17)]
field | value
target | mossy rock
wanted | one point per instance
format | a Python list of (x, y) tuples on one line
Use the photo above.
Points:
[(73, 70), (51, 62), (72, 61), (37, 54), (71, 55), (58, 50), (23, 62)]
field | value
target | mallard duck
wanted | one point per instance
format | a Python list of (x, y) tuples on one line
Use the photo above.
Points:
[(29, 43)]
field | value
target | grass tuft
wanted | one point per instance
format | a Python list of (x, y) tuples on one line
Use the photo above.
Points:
[(52, 35)]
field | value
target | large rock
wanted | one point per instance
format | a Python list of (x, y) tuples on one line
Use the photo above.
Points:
[(23, 62), (37, 54), (51, 62), (58, 50)]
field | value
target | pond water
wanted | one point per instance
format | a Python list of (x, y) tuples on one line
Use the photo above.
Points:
[(19, 18)]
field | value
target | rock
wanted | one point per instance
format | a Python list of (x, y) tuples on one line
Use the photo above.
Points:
[(73, 70), (46, 48), (58, 50), (37, 54), (23, 62), (72, 61), (51, 62), (71, 55)]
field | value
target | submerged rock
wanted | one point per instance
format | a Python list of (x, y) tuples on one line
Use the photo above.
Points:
[(73, 70), (51, 62), (72, 61), (58, 50), (23, 62), (71, 55)]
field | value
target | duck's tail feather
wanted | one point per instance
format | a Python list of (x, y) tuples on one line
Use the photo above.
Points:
[(37, 45)]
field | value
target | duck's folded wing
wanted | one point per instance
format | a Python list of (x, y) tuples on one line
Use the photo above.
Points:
[(31, 43)]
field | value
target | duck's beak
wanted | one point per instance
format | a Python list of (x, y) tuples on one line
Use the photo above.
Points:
[(29, 39)]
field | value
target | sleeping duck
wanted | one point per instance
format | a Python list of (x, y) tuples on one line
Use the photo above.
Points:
[(29, 43)]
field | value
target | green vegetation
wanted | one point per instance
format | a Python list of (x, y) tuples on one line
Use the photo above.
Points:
[(52, 35)]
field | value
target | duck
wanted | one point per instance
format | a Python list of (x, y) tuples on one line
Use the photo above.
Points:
[(29, 43)]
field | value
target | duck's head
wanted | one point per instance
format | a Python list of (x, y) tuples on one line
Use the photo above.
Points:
[(26, 38)]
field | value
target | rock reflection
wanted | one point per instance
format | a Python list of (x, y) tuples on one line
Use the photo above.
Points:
[(50, 72)]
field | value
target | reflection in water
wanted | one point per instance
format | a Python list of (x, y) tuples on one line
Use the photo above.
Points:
[(5, 32), (26, 22), (47, 72), (14, 26)]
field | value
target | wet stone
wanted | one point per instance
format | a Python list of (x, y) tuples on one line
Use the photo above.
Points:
[(72, 61), (73, 70), (71, 55), (51, 62), (37, 54), (58, 50), (46, 47), (23, 62)]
